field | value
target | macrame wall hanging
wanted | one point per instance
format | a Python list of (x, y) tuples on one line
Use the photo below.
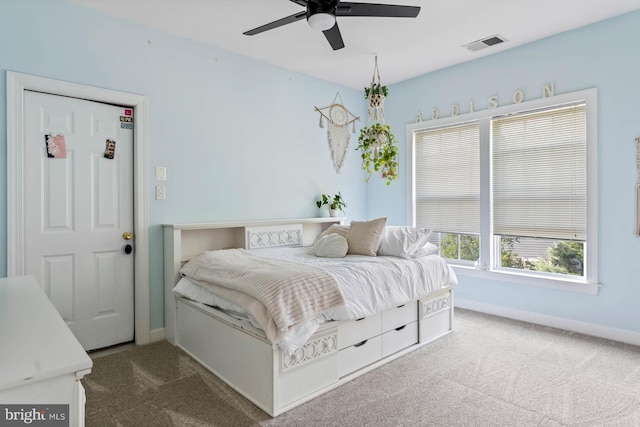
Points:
[(638, 188), (339, 119)]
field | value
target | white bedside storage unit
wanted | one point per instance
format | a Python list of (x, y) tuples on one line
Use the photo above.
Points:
[(41, 361)]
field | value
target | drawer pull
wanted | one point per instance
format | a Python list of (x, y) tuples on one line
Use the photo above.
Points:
[(401, 306), (362, 318), (360, 344), (401, 328)]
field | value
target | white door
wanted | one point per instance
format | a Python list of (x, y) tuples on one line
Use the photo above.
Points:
[(78, 208)]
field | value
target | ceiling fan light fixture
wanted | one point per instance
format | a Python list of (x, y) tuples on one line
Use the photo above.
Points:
[(321, 21)]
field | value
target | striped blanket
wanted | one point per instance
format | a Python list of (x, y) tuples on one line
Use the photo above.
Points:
[(279, 294)]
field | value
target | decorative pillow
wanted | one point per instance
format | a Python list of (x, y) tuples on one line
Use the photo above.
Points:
[(406, 242), (340, 229), (364, 236), (331, 246)]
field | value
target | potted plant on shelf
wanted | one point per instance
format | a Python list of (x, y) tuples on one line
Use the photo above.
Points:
[(336, 203), (379, 151)]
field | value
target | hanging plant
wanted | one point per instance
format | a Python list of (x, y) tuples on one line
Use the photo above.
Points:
[(379, 151), (376, 94)]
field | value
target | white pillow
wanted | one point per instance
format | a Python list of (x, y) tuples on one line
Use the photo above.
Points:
[(428, 249), (340, 229), (406, 242), (331, 246)]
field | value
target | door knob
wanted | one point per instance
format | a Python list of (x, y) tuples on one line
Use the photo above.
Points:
[(127, 235)]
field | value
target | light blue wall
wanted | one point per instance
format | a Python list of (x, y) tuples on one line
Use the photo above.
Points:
[(603, 56), (240, 138)]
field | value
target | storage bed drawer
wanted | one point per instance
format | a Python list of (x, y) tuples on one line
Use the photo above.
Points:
[(355, 331), (400, 338), (360, 355), (399, 316)]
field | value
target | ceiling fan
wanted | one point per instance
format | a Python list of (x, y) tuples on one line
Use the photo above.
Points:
[(321, 15)]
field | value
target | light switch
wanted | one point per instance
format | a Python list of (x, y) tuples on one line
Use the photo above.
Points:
[(161, 193), (161, 173)]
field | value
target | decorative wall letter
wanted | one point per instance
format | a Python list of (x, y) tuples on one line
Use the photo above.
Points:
[(548, 90), (518, 97)]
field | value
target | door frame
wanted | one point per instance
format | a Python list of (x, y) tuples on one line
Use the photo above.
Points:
[(17, 83)]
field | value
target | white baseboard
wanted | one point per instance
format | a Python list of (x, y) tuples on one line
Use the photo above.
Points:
[(593, 329), (156, 335)]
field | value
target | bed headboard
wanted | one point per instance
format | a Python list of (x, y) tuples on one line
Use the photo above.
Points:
[(273, 236), (184, 241)]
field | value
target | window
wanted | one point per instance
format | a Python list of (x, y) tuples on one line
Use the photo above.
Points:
[(539, 185), (511, 190), (448, 187)]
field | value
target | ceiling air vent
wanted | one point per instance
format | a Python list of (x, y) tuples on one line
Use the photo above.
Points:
[(484, 43)]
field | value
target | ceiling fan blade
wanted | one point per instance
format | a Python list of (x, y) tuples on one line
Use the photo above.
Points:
[(334, 37), (275, 24), (302, 3), (373, 9)]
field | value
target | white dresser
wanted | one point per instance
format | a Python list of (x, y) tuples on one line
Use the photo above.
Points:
[(41, 361)]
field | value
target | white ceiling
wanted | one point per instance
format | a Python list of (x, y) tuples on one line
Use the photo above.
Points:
[(406, 47)]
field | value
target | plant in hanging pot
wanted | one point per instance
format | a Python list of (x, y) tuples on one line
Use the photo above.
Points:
[(379, 151), (336, 203), (376, 93)]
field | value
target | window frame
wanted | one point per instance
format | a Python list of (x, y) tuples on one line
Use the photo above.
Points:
[(587, 284)]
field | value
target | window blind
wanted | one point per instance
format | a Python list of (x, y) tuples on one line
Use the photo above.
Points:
[(539, 174), (447, 179)]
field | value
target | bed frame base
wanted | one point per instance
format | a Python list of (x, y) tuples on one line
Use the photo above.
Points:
[(243, 358)]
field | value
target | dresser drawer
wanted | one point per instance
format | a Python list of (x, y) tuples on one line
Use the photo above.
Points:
[(399, 316), (359, 355), (355, 331), (400, 338)]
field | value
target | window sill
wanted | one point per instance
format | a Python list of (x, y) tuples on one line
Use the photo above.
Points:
[(523, 279)]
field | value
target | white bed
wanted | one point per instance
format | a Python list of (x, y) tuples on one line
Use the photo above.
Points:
[(378, 322)]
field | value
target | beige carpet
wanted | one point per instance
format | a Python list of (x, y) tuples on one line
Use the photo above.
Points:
[(489, 372)]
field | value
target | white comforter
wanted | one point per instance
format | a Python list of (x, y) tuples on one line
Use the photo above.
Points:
[(369, 285)]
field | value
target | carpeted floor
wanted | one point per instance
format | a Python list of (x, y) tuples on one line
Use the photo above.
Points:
[(490, 372)]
